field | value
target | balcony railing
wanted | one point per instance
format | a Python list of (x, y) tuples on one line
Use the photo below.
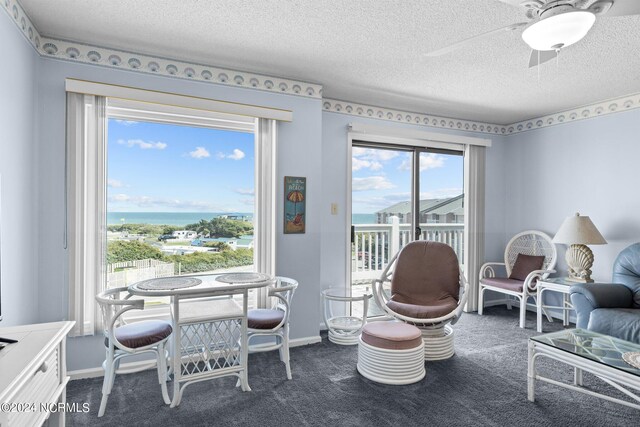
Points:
[(375, 244)]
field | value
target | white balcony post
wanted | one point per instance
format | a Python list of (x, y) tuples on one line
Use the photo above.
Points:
[(394, 238)]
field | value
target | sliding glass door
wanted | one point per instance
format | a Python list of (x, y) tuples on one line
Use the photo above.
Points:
[(400, 194)]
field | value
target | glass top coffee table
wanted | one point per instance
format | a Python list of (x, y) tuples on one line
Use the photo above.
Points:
[(587, 351)]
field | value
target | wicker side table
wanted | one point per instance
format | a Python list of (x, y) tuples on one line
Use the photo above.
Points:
[(344, 325)]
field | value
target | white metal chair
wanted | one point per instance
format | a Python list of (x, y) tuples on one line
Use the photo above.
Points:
[(274, 321), (531, 243), (122, 339), (428, 290)]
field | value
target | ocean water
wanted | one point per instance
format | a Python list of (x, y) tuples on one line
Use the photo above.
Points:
[(165, 218), (184, 218), (359, 218)]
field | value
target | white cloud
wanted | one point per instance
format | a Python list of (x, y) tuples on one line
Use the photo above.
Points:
[(114, 183), (126, 122), (427, 161), (250, 201), (153, 202), (119, 198), (237, 155), (368, 158), (199, 153), (144, 145), (245, 191), (371, 183), (442, 193), (374, 154), (357, 164)]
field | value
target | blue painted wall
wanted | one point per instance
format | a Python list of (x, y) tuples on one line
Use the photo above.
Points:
[(18, 173)]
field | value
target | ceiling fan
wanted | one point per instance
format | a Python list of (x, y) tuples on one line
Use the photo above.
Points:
[(554, 24)]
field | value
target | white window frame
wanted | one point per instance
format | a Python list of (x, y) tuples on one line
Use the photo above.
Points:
[(82, 191), (474, 190), (171, 115)]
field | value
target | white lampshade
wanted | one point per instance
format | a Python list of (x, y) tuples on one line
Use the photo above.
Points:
[(559, 31), (579, 230)]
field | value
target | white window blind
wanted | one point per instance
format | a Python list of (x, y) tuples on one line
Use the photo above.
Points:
[(86, 207)]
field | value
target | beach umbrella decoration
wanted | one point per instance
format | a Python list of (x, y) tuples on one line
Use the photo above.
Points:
[(295, 197)]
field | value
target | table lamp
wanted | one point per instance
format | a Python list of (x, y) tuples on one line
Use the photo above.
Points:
[(578, 232)]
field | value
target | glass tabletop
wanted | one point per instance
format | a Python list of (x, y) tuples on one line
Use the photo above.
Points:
[(559, 281), (565, 281), (347, 293), (593, 346)]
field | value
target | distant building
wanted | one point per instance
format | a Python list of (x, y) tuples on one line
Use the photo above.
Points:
[(432, 211), (242, 242), (184, 234), (246, 218)]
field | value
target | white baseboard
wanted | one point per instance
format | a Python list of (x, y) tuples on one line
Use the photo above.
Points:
[(141, 365)]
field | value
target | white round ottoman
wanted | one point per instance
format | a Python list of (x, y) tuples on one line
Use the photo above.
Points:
[(391, 353)]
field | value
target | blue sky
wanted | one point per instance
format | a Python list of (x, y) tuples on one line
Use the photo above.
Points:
[(166, 168), (382, 178)]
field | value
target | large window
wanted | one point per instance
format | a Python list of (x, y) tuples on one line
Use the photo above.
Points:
[(164, 185), (180, 199)]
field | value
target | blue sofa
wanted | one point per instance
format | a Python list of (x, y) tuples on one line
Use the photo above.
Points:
[(612, 309)]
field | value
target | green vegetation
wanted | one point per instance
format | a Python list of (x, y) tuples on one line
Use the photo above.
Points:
[(221, 227), (207, 261), (124, 250), (131, 250), (148, 229), (221, 246)]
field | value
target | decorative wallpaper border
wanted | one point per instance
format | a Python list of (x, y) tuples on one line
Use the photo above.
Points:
[(616, 105), (78, 52), (345, 107), (113, 58), (16, 12)]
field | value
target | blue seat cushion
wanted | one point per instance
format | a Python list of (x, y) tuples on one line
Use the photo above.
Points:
[(623, 323)]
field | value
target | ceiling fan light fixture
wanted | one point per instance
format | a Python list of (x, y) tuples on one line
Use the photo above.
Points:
[(559, 31)]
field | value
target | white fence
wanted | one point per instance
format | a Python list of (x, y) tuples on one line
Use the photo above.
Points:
[(375, 244), (135, 271)]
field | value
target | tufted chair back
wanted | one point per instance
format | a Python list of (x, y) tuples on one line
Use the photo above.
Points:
[(626, 270)]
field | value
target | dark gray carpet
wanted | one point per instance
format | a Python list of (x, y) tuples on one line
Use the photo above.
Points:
[(484, 384)]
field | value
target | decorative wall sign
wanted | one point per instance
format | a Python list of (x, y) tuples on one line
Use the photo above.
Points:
[(295, 200)]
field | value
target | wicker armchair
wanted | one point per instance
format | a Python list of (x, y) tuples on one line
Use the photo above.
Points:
[(529, 256), (428, 290), (123, 339), (275, 321)]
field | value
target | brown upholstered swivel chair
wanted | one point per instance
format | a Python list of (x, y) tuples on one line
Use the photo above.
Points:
[(429, 290)]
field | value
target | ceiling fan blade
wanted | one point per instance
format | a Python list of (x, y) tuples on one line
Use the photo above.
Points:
[(609, 8), (541, 56), (462, 43)]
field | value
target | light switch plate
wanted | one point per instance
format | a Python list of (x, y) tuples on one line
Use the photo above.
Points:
[(334, 209)]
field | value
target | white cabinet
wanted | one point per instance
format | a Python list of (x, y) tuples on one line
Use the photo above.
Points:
[(33, 374)]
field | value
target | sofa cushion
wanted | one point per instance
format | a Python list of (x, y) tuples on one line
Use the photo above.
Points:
[(502, 283), (426, 271), (427, 311), (524, 265), (626, 270), (623, 323), (391, 335), (141, 334), (263, 318)]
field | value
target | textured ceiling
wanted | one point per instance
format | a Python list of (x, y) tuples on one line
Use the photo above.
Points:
[(371, 52)]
